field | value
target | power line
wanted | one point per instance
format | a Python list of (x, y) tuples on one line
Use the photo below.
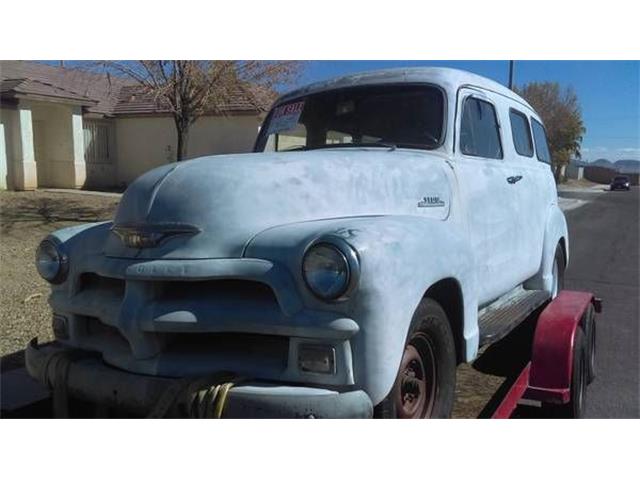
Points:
[(511, 62)]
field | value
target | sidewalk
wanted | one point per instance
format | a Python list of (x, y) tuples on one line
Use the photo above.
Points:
[(81, 192), (567, 204), (597, 188)]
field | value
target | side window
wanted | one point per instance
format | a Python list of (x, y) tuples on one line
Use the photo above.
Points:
[(479, 132), (521, 133), (540, 137)]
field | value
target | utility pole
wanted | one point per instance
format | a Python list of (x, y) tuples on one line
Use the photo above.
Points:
[(511, 62)]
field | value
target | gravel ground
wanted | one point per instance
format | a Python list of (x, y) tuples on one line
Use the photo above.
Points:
[(27, 217)]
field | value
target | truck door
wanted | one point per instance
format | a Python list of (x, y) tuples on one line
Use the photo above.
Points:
[(533, 185), (486, 195)]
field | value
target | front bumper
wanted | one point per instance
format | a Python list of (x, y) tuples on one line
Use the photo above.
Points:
[(87, 377)]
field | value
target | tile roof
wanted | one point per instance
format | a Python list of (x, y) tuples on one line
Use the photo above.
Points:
[(100, 88), (108, 94), (134, 100), (26, 86)]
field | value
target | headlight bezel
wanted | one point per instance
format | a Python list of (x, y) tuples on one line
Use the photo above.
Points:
[(352, 264), (63, 260)]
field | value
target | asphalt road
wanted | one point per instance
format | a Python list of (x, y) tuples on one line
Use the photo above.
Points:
[(604, 259)]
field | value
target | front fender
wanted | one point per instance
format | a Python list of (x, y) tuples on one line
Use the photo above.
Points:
[(400, 258), (80, 242)]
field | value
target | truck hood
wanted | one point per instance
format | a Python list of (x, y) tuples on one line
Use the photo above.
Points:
[(222, 202)]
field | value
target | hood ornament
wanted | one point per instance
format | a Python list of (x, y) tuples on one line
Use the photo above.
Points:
[(151, 235)]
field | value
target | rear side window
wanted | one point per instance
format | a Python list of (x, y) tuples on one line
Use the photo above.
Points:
[(479, 132), (521, 133), (540, 137)]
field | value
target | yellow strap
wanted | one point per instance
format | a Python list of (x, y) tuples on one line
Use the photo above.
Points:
[(209, 404), (221, 399)]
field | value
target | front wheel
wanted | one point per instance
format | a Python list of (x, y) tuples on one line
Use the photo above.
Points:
[(426, 380)]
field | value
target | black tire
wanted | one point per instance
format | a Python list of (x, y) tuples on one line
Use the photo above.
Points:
[(588, 324), (576, 406), (431, 338), (560, 264)]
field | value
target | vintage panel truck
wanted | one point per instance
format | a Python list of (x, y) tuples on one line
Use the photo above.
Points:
[(387, 225)]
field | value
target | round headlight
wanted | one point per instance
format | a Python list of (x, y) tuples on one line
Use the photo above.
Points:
[(328, 270), (51, 262)]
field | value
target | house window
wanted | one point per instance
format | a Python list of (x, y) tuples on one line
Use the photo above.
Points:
[(479, 131), (292, 140), (98, 138), (540, 137), (521, 133)]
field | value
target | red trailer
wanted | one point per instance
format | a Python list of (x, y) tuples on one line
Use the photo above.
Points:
[(561, 363)]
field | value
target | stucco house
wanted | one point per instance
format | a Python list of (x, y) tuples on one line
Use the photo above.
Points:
[(67, 128)]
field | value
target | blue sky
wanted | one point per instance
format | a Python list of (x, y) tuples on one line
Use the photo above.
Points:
[(608, 91)]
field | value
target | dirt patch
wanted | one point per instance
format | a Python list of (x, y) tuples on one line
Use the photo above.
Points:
[(581, 183), (25, 219), (474, 389)]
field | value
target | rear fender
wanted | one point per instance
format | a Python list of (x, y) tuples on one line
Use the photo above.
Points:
[(555, 231)]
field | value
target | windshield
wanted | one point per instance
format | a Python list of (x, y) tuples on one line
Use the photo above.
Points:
[(387, 116)]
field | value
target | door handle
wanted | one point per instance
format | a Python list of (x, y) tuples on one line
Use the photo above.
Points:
[(514, 179)]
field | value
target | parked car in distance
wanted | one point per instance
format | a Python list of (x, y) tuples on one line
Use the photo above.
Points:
[(386, 226), (620, 182)]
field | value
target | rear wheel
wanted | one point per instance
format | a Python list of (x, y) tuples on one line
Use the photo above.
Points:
[(576, 406), (425, 384), (557, 282), (588, 324)]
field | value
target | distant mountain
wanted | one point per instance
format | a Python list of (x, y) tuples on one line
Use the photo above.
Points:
[(579, 163), (627, 166), (603, 162), (621, 166)]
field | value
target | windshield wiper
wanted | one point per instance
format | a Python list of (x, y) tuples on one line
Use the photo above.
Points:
[(421, 146), (295, 149), (391, 146)]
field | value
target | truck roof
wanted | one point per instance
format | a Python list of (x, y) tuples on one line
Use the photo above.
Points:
[(449, 78)]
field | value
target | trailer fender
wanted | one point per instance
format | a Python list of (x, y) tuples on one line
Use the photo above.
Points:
[(553, 343)]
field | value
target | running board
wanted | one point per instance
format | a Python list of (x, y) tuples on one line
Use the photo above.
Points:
[(499, 318)]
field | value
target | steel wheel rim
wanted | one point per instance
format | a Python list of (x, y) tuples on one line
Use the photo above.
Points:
[(415, 386)]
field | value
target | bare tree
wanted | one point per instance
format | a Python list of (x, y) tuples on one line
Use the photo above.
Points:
[(560, 111), (189, 89)]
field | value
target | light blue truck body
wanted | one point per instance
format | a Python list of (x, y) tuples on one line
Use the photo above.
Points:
[(417, 219)]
